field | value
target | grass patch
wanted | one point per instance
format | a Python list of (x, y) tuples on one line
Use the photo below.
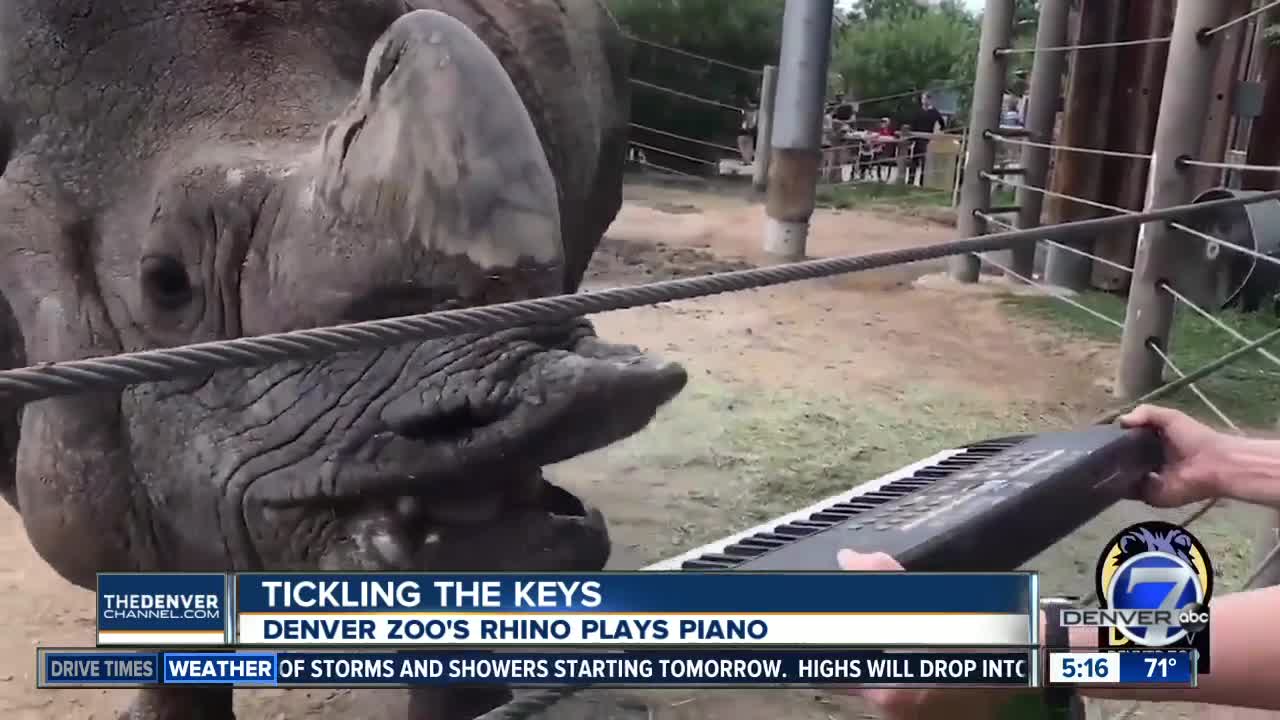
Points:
[(865, 195), (1248, 391), (774, 453), (870, 194)]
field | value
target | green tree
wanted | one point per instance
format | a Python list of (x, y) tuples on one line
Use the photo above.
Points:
[(872, 10), (907, 53), (745, 33)]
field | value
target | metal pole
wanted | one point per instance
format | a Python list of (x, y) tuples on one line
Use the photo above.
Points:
[(1160, 250), (797, 125), (1042, 118), (988, 94), (764, 128)]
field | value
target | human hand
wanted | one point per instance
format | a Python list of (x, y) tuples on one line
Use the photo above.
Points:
[(1193, 456), (908, 704)]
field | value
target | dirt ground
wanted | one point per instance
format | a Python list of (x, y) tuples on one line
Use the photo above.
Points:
[(796, 391)]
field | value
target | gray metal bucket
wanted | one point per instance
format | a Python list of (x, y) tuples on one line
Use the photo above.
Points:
[(1228, 277)]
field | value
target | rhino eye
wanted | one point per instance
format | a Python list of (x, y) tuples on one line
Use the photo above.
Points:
[(165, 282)]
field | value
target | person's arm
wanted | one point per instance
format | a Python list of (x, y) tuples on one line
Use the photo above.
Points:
[(1249, 471), (1246, 656)]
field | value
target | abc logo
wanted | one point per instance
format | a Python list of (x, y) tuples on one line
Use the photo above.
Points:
[(1194, 617)]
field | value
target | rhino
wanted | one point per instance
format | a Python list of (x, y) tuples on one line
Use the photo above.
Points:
[(180, 171)]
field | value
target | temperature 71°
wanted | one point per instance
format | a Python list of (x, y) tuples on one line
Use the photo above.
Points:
[(1163, 664)]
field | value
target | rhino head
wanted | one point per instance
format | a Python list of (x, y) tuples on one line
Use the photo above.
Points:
[(180, 171)]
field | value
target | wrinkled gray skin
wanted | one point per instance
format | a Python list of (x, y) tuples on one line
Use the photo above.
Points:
[(179, 171)]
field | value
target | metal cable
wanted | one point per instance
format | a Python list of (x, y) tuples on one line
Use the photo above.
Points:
[(686, 138), (696, 98), (908, 93), (1215, 320), (1238, 248), (108, 373), (1242, 18), (664, 168), (1164, 357), (1204, 371), (1066, 148), (673, 153), (1173, 224), (1089, 46), (1051, 193), (694, 55), (1229, 166), (1049, 292), (1082, 253)]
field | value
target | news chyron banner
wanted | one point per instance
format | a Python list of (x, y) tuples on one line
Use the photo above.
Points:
[(643, 629), (630, 609)]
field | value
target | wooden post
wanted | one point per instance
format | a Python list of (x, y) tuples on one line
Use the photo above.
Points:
[(1220, 103), (1042, 119), (1178, 134), (988, 93), (1085, 124), (764, 128), (1139, 80), (797, 128)]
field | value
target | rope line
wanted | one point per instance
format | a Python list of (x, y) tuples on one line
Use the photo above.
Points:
[(686, 138), (694, 55), (673, 154), (112, 372), (1049, 292), (1237, 335), (1202, 372), (1164, 357), (1082, 253), (1088, 46), (664, 168), (1230, 166), (908, 93), (1173, 224), (1242, 18), (696, 98), (1238, 248), (1066, 148)]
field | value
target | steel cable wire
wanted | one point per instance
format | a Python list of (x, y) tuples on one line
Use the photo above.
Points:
[(1087, 46), (1242, 18), (688, 96), (1237, 335), (110, 372), (1243, 167), (1082, 253), (1066, 148), (1113, 208)]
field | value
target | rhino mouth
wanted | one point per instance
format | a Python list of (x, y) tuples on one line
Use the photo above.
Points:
[(532, 525), (440, 485)]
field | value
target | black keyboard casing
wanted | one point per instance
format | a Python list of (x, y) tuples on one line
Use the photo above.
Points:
[(989, 508)]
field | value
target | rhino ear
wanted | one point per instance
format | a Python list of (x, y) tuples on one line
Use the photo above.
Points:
[(11, 356)]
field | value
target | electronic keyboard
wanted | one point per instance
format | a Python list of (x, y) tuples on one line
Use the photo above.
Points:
[(985, 507)]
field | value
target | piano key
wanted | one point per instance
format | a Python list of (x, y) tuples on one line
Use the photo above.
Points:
[(759, 533), (948, 512)]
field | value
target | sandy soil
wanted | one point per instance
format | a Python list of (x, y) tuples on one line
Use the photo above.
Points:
[(869, 338)]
